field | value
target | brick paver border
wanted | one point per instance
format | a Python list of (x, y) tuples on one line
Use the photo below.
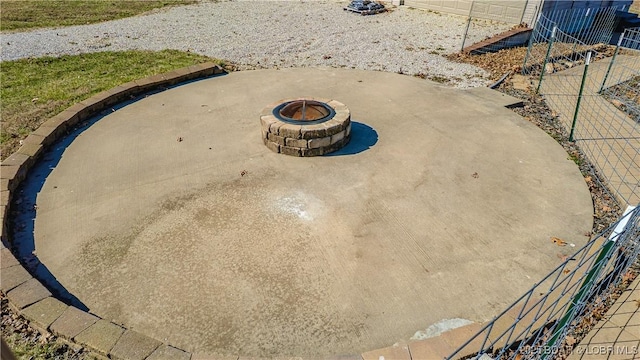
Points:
[(28, 297)]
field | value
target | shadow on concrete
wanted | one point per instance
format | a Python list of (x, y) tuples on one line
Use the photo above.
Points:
[(25, 209), (363, 137), (25, 202)]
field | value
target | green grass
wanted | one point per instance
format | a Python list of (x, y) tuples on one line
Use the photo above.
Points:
[(29, 14), (32, 90), (25, 349)]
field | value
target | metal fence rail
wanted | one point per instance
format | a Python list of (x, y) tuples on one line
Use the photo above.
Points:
[(597, 102), (619, 92), (537, 325), (589, 25), (580, 28)]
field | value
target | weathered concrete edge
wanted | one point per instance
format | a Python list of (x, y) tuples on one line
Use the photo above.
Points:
[(14, 172), (16, 167)]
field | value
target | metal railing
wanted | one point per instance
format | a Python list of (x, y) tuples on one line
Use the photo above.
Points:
[(548, 320)]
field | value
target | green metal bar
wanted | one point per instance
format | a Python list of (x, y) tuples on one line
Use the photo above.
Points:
[(587, 284), (575, 114), (613, 59), (546, 57)]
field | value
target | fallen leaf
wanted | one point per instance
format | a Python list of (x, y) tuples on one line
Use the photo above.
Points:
[(570, 340), (475, 175), (566, 271), (558, 241), (627, 277)]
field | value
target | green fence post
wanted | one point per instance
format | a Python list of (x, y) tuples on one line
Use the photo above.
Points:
[(613, 59), (575, 113), (587, 284), (546, 57), (601, 260)]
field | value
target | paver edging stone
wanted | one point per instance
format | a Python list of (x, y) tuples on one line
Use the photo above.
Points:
[(72, 322), (101, 336), (30, 297), (13, 276), (44, 312), (27, 293)]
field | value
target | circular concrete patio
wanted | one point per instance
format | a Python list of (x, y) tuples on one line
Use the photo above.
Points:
[(170, 216)]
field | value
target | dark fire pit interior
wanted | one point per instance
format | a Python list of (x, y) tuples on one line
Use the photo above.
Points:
[(306, 111)]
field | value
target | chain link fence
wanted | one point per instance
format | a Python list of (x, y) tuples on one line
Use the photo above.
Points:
[(596, 101), (549, 319), (595, 92), (621, 84), (589, 25), (576, 31)]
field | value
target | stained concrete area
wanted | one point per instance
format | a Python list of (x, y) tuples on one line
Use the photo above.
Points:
[(442, 206)]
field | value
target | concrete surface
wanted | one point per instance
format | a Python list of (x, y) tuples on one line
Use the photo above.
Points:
[(134, 346), (442, 206), (165, 352)]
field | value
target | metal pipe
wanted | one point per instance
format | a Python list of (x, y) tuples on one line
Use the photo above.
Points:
[(524, 10), (575, 114), (546, 58), (613, 59), (466, 31), (497, 83)]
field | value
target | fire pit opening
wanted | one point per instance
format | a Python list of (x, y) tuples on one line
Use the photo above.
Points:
[(308, 111), (305, 126)]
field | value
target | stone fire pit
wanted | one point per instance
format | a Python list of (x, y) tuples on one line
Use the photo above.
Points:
[(305, 126)]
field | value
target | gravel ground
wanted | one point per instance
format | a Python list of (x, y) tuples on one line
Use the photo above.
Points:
[(269, 34)]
